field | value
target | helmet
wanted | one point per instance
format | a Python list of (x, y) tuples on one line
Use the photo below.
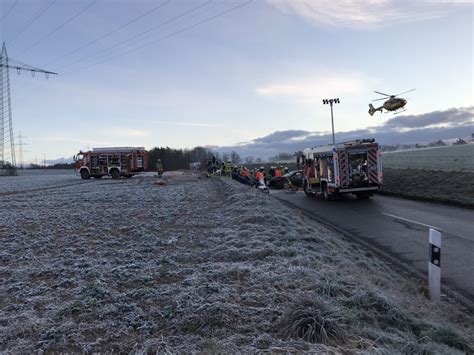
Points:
[(262, 168), (280, 167)]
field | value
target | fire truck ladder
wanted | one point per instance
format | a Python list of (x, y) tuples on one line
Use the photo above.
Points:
[(7, 143)]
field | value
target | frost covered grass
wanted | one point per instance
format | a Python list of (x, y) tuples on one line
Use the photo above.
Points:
[(449, 158), (454, 188), (200, 265), (36, 179)]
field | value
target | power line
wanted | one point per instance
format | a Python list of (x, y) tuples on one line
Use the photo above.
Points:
[(170, 35), (109, 33), (59, 27), (139, 34), (35, 18), (8, 11)]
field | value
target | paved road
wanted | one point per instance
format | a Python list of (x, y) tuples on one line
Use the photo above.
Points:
[(400, 228)]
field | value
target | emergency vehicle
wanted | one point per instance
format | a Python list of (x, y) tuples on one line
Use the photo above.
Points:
[(115, 162), (350, 167)]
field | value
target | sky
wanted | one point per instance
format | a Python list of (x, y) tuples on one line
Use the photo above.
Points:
[(183, 73)]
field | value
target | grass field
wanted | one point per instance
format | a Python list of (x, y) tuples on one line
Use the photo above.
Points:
[(455, 188), (451, 158), (198, 265), (444, 174)]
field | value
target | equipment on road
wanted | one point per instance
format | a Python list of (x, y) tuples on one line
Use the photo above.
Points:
[(349, 167), (115, 162), (393, 103)]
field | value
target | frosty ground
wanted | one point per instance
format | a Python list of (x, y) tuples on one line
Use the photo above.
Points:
[(199, 265)]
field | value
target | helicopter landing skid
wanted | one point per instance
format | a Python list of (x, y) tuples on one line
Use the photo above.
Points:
[(397, 112)]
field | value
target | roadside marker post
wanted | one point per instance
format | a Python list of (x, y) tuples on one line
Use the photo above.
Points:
[(434, 266)]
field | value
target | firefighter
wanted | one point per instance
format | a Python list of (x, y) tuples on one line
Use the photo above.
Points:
[(228, 168), (286, 170), (279, 171), (271, 171), (214, 165), (209, 168), (159, 167), (260, 177)]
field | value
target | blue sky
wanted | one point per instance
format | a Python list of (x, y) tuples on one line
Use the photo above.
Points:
[(261, 68)]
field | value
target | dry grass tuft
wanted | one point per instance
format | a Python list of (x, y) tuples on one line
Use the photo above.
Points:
[(313, 321), (448, 336), (379, 310)]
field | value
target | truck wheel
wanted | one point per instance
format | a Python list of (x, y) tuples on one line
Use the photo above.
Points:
[(85, 174), (115, 174)]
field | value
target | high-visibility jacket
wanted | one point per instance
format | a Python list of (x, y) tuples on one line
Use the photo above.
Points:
[(278, 172), (259, 175), (245, 173)]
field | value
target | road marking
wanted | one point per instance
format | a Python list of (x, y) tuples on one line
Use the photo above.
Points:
[(412, 221)]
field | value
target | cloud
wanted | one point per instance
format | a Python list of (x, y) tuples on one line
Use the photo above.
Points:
[(127, 132), (64, 138), (410, 129), (448, 118), (190, 124), (310, 90), (282, 136), (364, 13)]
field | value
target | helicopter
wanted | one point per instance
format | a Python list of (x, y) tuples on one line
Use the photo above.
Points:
[(393, 103)]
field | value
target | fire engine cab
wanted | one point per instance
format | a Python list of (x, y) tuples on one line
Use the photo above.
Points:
[(350, 167), (115, 162)]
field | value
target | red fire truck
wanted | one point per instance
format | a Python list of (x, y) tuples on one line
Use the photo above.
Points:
[(115, 162), (350, 167)]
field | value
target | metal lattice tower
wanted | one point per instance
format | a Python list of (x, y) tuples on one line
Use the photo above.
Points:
[(21, 150), (7, 141)]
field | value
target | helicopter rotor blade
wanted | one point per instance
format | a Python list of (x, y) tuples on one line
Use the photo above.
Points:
[(382, 98), (381, 93), (405, 92)]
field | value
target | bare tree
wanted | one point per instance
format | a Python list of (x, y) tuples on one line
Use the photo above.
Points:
[(235, 157), (249, 160)]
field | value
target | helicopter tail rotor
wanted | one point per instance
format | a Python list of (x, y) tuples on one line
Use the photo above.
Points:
[(371, 109)]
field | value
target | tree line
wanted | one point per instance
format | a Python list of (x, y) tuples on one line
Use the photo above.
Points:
[(173, 159)]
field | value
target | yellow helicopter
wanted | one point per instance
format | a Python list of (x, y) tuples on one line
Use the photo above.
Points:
[(393, 103)]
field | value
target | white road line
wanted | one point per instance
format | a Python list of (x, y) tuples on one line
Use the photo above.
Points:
[(412, 221)]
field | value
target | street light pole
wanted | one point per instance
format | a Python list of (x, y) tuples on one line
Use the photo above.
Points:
[(331, 102)]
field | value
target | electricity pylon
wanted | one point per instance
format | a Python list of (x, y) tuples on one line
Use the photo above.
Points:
[(7, 142), (20, 145)]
